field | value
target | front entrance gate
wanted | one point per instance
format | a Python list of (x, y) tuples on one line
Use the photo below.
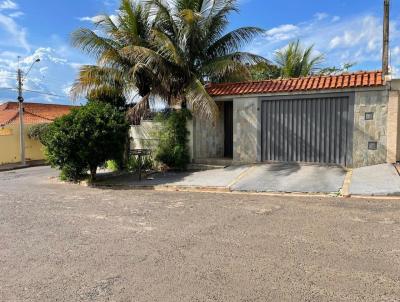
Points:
[(315, 129)]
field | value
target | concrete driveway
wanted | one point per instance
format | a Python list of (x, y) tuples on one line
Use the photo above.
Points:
[(292, 177), (277, 177)]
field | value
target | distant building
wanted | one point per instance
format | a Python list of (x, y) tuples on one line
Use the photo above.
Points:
[(34, 113)]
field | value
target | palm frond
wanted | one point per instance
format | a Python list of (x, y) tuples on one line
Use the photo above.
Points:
[(200, 101), (233, 41), (135, 114), (89, 42), (93, 77)]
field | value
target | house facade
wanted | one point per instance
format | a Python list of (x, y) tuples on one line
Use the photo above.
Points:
[(350, 120), (34, 113)]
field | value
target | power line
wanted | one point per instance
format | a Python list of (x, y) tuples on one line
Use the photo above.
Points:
[(38, 92), (45, 93)]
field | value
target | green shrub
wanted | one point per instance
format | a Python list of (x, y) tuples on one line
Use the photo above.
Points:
[(38, 132), (173, 148), (133, 163), (85, 139)]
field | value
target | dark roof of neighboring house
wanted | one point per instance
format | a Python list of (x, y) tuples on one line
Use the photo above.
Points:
[(342, 81), (34, 113)]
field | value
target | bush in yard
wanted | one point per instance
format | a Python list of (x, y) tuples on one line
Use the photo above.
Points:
[(38, 132), (85, 139), (173, 148)]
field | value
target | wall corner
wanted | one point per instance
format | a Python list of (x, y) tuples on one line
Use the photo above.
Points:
[(393, 135)]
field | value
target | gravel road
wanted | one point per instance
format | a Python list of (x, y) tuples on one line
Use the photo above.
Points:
[(62, 242)]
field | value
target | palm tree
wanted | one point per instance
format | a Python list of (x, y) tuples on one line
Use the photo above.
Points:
[(114, 76), (189, 48), (296, 61), (177, 48)]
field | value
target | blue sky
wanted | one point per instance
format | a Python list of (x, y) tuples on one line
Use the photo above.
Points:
[(344, 30)]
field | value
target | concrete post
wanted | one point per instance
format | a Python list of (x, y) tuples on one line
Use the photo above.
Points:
[(393, 133)]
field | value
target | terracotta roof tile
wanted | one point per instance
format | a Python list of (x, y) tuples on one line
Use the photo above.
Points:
[(34, 113), (7, 116), (342, 81)]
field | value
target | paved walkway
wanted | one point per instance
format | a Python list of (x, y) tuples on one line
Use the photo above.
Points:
[(218, 178), (257, 178), (377, 180)]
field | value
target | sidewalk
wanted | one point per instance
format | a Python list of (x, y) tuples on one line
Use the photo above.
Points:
[(378, 180), (17, 166), (279, 178)]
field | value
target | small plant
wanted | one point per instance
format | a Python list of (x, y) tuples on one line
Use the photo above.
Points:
[(133, 163), (112, 165), (173, 148), (85, 139)]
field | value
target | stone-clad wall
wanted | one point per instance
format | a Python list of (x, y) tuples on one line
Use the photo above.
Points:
[(246, 125), (208, 141), (366, 131), (382, 129)]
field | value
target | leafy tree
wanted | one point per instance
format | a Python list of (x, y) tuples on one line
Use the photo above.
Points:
[(296, 61), (336, 70), (166, 49), (264, 71), (85, 139)]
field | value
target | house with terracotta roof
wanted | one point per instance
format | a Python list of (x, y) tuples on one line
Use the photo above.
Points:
[(34, 113), (349, 119)]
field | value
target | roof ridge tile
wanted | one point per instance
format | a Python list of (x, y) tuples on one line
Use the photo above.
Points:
[(316, 82)]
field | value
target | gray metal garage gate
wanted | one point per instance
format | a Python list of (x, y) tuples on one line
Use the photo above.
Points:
[(308, 129)]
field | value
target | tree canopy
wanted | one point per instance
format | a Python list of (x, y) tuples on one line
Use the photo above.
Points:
[(165, 49), (297, 61)]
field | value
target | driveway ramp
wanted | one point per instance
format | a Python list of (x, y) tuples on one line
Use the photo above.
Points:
[(292, 177)]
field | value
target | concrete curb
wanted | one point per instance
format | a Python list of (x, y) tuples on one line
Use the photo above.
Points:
[(162, 188), (346, 184), (178, 188)]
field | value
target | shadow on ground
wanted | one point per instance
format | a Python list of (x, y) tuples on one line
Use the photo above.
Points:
[(218, 178)]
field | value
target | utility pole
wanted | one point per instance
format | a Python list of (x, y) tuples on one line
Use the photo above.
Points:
[(385, 53), (21, 117), (20, 80)]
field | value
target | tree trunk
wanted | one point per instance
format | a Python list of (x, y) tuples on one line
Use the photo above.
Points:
[(93, 171)]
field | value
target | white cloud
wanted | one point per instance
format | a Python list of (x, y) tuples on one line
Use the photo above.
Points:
[(342, 40), (13, 33), (52, 75), (8, 5), (282, 33), (365, 30), (57, 68), (321, 16), (17, 14), (97, 18), (89, 19)]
